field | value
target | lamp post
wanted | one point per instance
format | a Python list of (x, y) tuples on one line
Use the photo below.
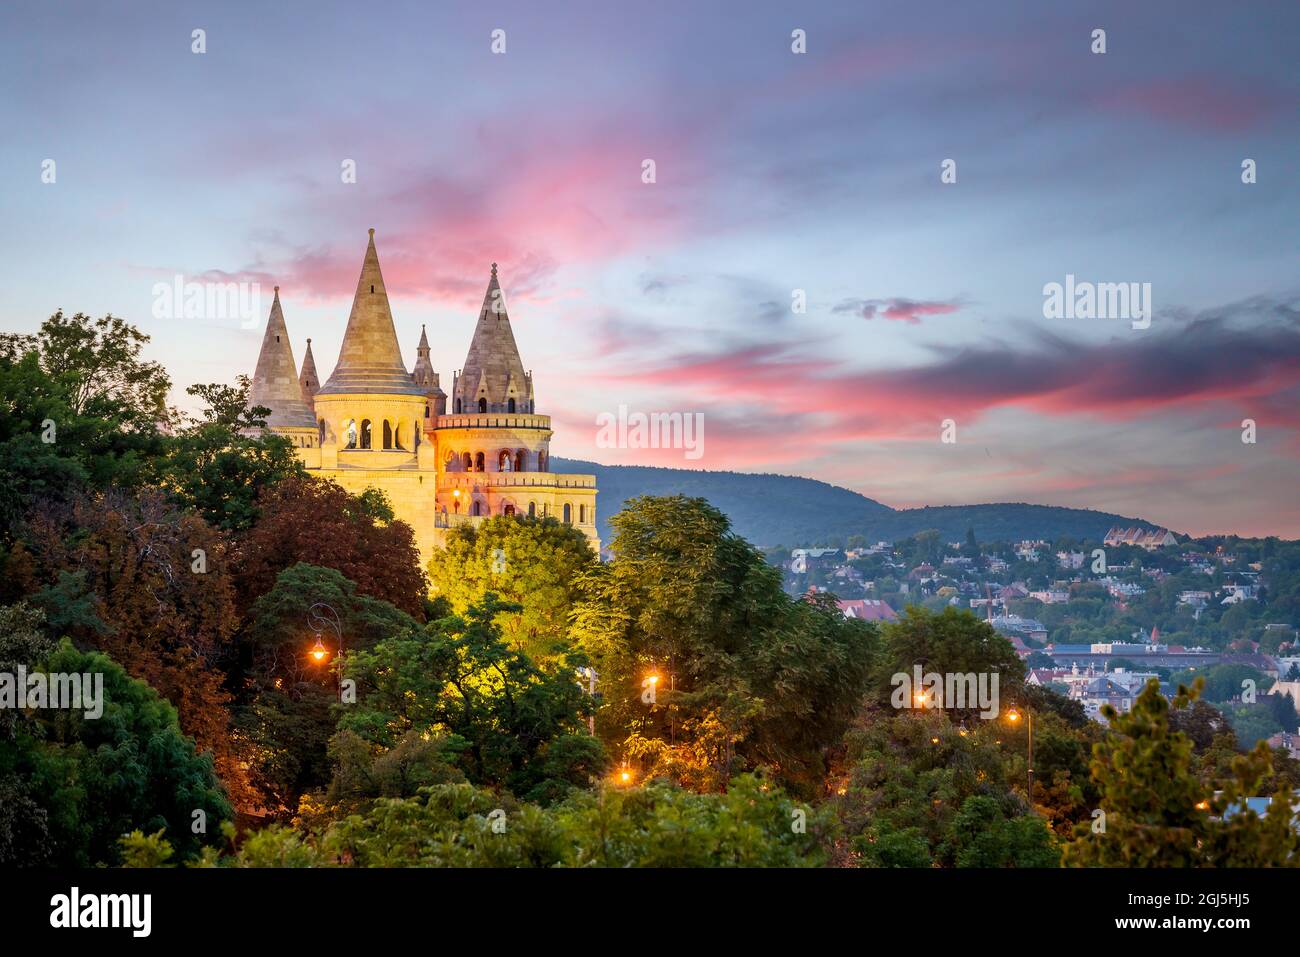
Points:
[(1014, 716), (319, 617), (590, 674)]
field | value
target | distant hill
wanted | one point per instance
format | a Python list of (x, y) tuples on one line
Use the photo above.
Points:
[(788, 510)]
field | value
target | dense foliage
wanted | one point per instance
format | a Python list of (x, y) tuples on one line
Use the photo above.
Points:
[(284, 687)]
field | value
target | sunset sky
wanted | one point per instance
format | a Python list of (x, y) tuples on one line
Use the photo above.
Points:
[(775, 172)]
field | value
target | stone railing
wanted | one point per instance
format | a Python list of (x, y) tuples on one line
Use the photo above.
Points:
[(475, 480), (492, 420)]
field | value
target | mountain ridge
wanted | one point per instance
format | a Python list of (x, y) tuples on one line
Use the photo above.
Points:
[(770, 509)]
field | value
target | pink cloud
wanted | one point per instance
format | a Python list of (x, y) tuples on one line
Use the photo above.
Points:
[(898, 309), (1201, 102)]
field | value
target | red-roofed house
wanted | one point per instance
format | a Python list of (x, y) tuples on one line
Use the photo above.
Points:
[(867, 609)]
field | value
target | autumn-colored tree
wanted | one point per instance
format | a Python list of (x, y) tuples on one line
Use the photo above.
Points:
[(530, 564), (151, 585), (311, 520)]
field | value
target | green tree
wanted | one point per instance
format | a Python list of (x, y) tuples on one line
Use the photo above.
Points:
[(747, 675), (508, 723), (531, 564), (99, 778), (219, 465), (984, 836), (1159, 814), (953, 641), (286, 715)]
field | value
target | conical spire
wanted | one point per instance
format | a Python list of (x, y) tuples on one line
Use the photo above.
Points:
[(308, 378), (370, 360), (275, 381), (493, 369), (423, 374)]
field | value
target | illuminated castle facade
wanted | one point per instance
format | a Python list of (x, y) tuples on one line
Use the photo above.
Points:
[(442, 460)]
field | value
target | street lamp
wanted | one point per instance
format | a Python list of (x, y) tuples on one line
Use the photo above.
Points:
[(319, 617), (1013, 716), (672, 708), (590, 674)]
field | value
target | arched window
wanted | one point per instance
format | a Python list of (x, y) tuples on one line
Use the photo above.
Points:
[(469, 462), (541, 461), (388, 435), (478, 463), (478, 508), (322, 431), (503, 461), (458, 406), (510, 406), (519, 461), (426, 411), (455, 505), (532, 509), (568, 514), (582, 515), (482, 405), (509, 511)]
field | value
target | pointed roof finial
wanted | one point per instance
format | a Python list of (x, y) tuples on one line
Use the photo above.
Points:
[(370, 360), (277, 292), (275, 380), (372, 232), (494, 269)]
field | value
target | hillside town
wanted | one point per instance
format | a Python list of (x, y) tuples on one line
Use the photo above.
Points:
[(1097, 620)]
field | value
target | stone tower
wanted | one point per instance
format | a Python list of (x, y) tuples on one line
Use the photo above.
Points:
[(383, 427), (309, 380), (275, 384), (371, 411), (427, 380), (493, 379), (493, 448)]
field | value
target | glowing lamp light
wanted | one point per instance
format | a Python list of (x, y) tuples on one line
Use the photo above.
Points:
[(319, 653), (625, 777), (1013, 715)]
